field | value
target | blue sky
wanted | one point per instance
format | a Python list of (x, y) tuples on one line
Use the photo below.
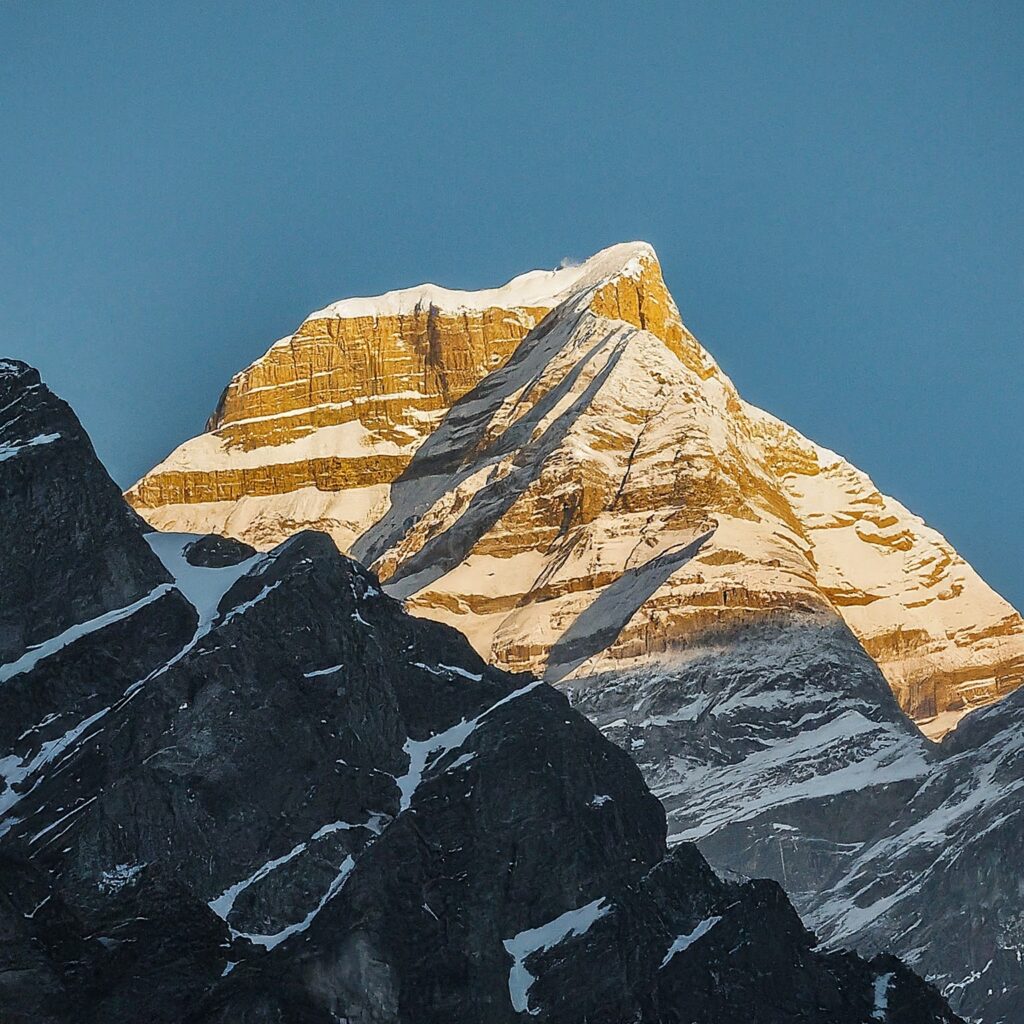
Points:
[(835, 191)]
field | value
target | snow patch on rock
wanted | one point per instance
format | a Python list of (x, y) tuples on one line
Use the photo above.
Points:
[(573, 923)]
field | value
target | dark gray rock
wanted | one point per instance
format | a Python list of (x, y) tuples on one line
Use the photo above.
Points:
[(782, 753), (72, 548), (216, 552)]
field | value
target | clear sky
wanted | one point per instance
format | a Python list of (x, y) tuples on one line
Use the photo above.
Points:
[(835, 191)]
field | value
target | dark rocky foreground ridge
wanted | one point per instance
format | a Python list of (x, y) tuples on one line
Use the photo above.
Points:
[(250, 787)]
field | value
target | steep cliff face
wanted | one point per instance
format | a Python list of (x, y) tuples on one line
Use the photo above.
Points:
[(79, 524), (268, 794), (602, 498), (944, 639)]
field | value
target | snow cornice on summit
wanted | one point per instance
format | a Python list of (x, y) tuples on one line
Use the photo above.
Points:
[(535, 289)]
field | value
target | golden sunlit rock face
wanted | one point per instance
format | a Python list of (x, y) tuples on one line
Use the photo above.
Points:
[(599, 501), (391, 377)]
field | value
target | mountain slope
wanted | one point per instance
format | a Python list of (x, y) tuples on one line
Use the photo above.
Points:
[(299, 803), (940, 875), (339, 407), (704, 582), (611, 442)]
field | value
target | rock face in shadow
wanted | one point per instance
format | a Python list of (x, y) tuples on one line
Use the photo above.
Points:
[(780, 751), (72, 548), (941, 874), (269, 794)]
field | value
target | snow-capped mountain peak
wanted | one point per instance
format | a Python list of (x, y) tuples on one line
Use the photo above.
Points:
[(513, 460), (267, 792)]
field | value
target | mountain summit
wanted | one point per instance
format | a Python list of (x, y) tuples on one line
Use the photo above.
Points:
[(558, 468)]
